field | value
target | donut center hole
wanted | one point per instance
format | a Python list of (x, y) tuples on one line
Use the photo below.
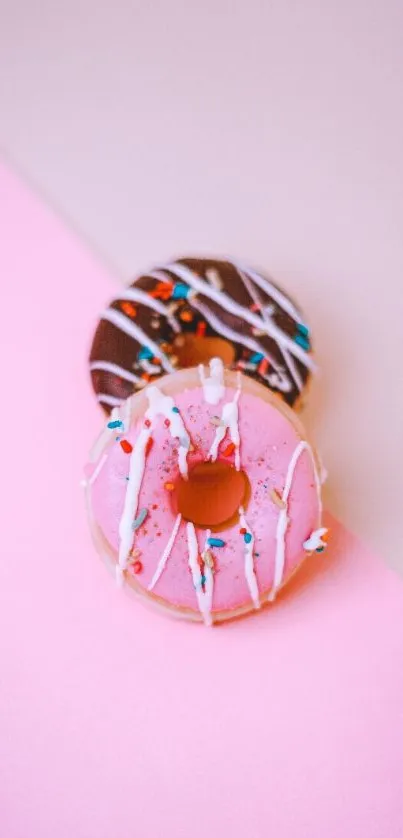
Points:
[(192, 350), (212, 495)]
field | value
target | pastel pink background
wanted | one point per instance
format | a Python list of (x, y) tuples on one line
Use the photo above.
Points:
[(117, 722)]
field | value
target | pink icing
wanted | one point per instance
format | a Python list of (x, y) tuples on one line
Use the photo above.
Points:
[(268, 441)]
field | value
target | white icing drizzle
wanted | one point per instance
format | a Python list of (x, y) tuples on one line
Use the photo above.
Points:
[(105, 398), (249, 563), (152, 369), (136, 473), (254, 295), (107, 366), (283, 520), (138, 296), (231, 306), (164, 406), (213, 385), (159, 405), (213, 277), (98, 468), (229, 422), (272, 292), (204, 598), (130, 328), (166, 554), (235, 337), (318, 482), (209, 583), (277, 379), (292, 368), (315, 542)]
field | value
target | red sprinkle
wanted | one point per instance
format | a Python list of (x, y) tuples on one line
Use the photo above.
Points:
[(149, 445), (201, 329), (137, 567), (255, 307), (129, 309), (263, 367), (162, 291), (243, 531), (147, 423), (229, 450), (167, 423), (127, 448)]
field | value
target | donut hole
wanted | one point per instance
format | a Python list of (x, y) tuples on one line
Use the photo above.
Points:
[(192, 350), (211, 496)]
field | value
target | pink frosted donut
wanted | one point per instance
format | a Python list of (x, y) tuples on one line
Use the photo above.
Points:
[(203, 494)]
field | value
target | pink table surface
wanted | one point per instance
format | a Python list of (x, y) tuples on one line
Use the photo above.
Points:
[(118, 722)]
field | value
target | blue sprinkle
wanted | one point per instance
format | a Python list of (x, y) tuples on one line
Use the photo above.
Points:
[(203, 580), (115, 424), (145, 353), (175, 410), (319, 549), (180, 291), (257, 555), (303, 330), (139, 520), (216, 542), (256, 358), (302, 341), (118, 438), (247, 538)]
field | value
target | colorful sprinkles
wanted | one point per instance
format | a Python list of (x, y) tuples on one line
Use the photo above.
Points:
[(229, 450), (128, 308), (173, 314)]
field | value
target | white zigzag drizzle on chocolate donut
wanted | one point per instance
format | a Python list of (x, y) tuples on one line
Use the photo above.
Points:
[(135, 339)]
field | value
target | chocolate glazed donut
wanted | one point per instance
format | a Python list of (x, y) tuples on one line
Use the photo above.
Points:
[(190, 311)]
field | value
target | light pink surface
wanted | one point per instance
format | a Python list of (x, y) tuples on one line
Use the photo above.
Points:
[(117, 722), (268, 442)]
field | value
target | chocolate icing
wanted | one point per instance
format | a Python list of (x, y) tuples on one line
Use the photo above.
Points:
[(135, 344)]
